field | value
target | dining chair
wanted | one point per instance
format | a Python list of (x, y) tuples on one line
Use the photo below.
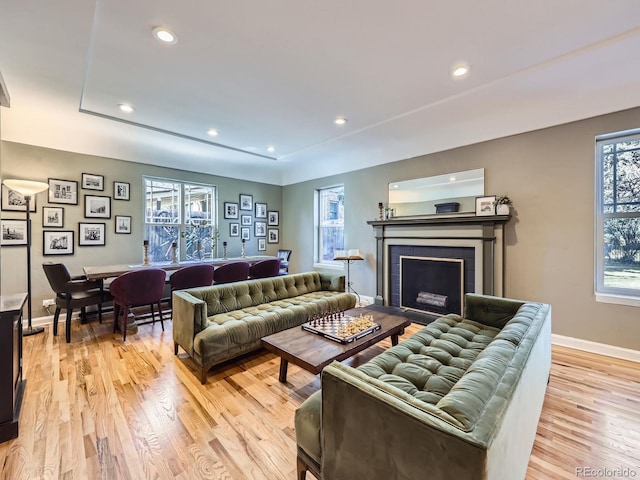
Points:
[(231, 272), (265, 268), (191, 277), (284, 255), (134, 289), (73, 292)]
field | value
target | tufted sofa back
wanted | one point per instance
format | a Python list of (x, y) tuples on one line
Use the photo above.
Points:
[(238, 295)]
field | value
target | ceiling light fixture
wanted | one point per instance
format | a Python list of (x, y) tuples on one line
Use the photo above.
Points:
[(460, 70), (126, 108), (271, 149), (213, 132), (340, 120), (165, 35)]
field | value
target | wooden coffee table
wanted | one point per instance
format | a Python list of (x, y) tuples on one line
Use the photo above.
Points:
[(314, 352)]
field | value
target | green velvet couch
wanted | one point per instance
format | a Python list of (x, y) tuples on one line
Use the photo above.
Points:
[(220, 322), (460, 399)]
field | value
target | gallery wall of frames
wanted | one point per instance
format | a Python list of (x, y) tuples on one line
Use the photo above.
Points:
[(255, 219)]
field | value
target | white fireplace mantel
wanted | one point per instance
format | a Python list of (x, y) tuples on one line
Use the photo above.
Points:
[(484, 233)]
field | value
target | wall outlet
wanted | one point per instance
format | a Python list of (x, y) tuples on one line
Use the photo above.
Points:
[(48, 302)]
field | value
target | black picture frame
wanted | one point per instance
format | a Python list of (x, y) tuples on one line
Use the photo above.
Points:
[(14, 232), (245, 233), (273, 218), (262, 244), (92, 234), (273, 235), (485, 206), (63, 191), (122, 224), (230, 210), (13, 201), (261, 210), (92, 181), (245, 220), (52, 217), (57, 242), (260, 229), (234, 229), (121, 191), (97, 206), (246, 202)]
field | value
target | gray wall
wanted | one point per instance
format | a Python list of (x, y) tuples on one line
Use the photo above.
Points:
[(36, 163), (549, 175)]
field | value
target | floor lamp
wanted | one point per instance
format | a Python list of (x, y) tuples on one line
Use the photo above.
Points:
[(28, 189)]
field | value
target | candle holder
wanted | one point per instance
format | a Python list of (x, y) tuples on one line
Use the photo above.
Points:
[(380, 211), (145, 259), (224, 250), (243, 255), (174, 252)]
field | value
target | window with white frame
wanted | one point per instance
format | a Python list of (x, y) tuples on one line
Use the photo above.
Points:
[(183, 214), (329, 222), (618, 215)]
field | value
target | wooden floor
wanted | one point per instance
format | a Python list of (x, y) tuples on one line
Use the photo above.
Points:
[(101, 408)]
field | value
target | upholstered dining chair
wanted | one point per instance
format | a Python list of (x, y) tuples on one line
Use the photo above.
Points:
[(265, 268), (134, 289), (284, 255), (231, 272), (191, 277), (72, 293)]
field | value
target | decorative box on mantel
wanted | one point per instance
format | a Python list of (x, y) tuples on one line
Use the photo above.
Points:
[(476, 243)]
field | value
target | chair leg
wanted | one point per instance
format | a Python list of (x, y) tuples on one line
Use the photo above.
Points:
[(83, 315), (125, 314), (161, 316), (116, 314), (153, 315), (67, 327), (100, 312), (56, 317)]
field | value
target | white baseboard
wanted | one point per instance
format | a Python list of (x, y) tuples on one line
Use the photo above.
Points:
[(595, 347)]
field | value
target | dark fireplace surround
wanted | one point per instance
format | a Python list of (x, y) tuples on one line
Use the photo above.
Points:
[(467, 244)]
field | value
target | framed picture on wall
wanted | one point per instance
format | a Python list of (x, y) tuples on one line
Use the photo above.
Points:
[(52, 217), (14, 232), (91, 181), (63, 191), (230, 210), (13, 201), (246, 202), (245, 220), (97, 206), (245, 233), (58, 242), (262, 244), (121, 190), (234, 229), (273, 235), (123, 224), (273, 218), (91, 234), (485, 206), (260, 229), (261, 210)]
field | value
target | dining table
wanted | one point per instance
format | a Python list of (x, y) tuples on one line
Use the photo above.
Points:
[(110, 271)]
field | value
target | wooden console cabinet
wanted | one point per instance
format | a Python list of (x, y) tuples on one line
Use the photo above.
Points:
[(11, 382)]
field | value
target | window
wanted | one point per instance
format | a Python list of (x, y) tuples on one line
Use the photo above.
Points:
[(330, 222), (618, 215), (180, 213)]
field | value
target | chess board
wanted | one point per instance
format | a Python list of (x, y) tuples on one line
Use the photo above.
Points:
[(341, 328)]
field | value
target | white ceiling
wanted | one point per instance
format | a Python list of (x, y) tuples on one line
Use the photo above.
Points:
[(278, 72)]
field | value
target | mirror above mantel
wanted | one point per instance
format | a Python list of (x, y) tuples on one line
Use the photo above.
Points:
[(420, 196)]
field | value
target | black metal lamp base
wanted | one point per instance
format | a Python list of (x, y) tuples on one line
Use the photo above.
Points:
[(31, 331)]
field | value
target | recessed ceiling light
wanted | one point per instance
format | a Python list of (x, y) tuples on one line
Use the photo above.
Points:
[(271, 149), (340, 120), (452, 179), (165, 35), (125, 107), (460, 70), (213, 132)]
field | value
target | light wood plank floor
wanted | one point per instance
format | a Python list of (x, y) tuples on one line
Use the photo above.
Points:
[(101, 408)]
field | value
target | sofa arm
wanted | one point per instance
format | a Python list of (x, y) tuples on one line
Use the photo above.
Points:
[(189, 318), (371, 433), (332, 282), (489, 310)]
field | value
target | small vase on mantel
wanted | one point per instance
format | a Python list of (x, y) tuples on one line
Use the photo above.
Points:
[(502, 209)]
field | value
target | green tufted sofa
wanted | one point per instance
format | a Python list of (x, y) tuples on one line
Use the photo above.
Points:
[(460, 399), (220, 322)]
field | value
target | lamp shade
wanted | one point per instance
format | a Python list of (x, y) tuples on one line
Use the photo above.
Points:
[(26, 187)]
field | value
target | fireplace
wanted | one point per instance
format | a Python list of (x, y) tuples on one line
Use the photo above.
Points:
[(432, 285)]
